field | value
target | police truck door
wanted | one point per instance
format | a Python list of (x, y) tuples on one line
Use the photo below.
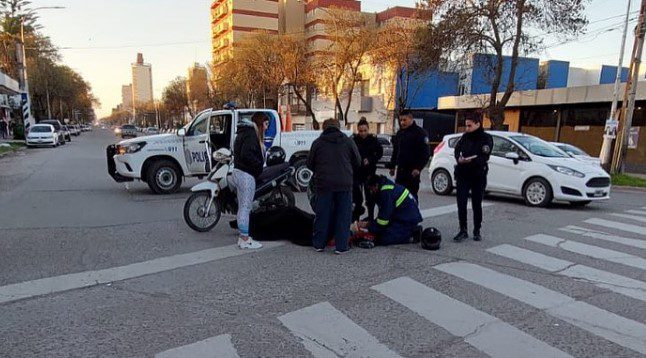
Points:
[(196, 144)]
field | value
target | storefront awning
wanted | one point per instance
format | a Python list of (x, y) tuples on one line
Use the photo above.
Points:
[(8, 85)]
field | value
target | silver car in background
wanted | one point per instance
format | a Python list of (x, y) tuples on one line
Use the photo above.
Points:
[(386, 143)]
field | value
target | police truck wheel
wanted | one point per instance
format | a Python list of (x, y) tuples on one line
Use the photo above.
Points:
[(441, 182), (302, 175), (537, 192), (164, 177)]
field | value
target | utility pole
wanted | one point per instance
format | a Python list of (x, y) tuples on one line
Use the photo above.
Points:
[(621, 146), (606, 148), (27, 118)]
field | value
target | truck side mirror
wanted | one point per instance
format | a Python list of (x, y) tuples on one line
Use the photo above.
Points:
[(181, 132)]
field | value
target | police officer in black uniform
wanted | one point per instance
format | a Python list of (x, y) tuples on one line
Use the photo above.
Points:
[(472, 154), (371, 151), (411, 153)]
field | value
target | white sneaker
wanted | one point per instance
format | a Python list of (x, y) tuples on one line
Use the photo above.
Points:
[(248, 244)]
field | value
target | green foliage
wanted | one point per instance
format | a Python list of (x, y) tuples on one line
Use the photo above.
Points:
[(627, 180)]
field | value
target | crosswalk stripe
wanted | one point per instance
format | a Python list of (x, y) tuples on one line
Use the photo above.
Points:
[(78, 280), (604, 236), (638, 212), (326, 332), (631, 217), (620, 330), (617, 225), (620, 284), (478, 328), (214, 347), (590, 250), (443, 210)]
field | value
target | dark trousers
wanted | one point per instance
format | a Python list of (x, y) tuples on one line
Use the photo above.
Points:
[(358, 193), (406, 179), (396, 233), (474, 183), (333, 218)]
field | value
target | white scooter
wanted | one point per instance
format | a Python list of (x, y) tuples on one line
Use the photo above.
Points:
[(217, 195)]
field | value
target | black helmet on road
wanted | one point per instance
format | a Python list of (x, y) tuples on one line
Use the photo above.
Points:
[(275, 156), (431, 239)]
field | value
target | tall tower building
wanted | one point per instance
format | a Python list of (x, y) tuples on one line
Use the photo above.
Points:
[(126, 96), (197, 87), (142, 81), (233, 19)]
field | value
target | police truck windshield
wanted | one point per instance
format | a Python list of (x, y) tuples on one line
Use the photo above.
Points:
[(539, 147)]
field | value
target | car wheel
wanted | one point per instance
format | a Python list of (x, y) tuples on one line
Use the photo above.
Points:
[(302, 175), (537, 192), (580, 204), (442, 182), (164, 177)]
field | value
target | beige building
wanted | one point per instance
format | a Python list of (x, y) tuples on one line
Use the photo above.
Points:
[(126, 96), (142, 81), (197, 87)]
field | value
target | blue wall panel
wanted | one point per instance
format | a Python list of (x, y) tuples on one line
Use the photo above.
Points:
[(609, 73), (557, 74), (484, 68), (424, 90)]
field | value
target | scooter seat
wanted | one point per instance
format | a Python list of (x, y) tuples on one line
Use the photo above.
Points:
[(271, 173)]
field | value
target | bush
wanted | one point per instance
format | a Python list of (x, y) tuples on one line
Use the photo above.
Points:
[(18, 131)]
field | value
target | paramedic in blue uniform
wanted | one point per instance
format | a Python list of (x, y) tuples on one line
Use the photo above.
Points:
[(399, 216), (411, 152)]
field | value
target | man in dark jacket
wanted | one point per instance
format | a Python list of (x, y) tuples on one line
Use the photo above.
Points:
[(370, 151), (333, 159), (411, 153), (472, 154)]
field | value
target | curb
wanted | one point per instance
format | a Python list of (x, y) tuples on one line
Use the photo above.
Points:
[(2, 155), (629, 188)]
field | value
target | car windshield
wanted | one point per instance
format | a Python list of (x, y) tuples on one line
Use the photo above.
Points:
[(570, 149), (127, 127), (539, 147), (41, 129)]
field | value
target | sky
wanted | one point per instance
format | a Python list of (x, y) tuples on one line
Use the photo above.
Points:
[(101, 38)]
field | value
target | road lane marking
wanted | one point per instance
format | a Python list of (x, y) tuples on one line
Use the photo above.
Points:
[(78, 280), (477, 328), (443, 210), (620, 284), (620, 330), (590, 250), (638, 212), (326, 332), (604, 236), (631, 217), (214, 347), (617, 225)]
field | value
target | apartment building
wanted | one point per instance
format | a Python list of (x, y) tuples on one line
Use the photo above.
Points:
[(126, 96), (142, 81)]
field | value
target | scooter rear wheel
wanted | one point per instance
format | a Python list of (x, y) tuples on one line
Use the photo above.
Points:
[(195, 212)]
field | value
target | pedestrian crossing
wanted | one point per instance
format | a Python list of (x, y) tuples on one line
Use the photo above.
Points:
[(324, 330)]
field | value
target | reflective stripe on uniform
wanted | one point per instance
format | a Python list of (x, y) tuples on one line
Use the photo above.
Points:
[(382, 222), (388, 187), (402, 198)]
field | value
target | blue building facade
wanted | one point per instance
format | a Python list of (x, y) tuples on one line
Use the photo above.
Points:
[(609, 74), (425, 90), (484, 65), (553, 74)]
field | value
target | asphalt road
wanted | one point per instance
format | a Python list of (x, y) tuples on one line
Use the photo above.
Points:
[(91, 268)]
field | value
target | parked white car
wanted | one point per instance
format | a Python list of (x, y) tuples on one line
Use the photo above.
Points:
[(578, 153), (529, 167), (43, 135)]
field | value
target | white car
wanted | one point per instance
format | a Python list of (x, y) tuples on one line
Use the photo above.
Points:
[(151, 131), (526, 166), (578, 153), (43, 135)]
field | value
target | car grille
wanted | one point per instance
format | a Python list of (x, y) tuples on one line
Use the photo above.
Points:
[(570, 191), (598, 183)]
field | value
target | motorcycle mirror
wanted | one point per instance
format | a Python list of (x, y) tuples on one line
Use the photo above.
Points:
[(181, 132)]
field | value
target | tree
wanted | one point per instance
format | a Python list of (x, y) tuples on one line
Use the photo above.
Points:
[(299, 73), (498, 27), (175, 98), (338, 65)]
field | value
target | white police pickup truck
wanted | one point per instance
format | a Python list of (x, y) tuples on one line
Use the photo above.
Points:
[(163, 160)]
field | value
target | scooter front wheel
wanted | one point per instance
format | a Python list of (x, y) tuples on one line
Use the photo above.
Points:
[(197, 214)]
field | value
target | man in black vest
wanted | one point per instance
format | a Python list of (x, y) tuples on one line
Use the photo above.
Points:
[(411, 152)]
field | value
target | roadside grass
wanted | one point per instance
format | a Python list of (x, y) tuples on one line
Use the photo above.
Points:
[(12, 147), (627, 180)]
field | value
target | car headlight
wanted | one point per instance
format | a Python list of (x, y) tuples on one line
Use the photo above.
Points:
[(117, 130), (567, 171), (130, 148)]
